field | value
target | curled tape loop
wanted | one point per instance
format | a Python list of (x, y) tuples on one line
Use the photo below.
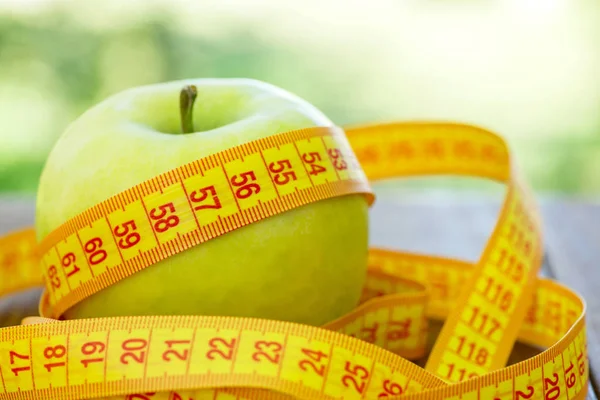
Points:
[(488, 305)]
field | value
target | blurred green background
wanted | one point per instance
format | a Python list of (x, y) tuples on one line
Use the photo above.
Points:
[(528, 69)]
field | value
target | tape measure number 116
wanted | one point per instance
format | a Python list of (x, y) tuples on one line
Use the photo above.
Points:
[(487, 306)]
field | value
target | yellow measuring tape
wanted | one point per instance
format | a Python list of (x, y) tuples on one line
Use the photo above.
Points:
[(487, 306)]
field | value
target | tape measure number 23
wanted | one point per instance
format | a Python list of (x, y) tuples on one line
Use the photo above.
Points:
[(487, 306)]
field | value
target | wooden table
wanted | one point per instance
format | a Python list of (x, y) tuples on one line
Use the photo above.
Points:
[(438, 223)]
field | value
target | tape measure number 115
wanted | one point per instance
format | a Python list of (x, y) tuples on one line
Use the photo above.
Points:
[(487, 306)]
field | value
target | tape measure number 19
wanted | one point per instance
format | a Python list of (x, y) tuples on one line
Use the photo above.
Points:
[(487, 306)]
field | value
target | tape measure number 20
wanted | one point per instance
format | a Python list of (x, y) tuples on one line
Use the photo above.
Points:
[(365, 354)]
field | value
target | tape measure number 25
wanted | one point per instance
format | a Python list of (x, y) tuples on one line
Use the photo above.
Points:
[(487, 306)]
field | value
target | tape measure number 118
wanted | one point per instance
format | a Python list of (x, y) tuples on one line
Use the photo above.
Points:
[(487, 306)]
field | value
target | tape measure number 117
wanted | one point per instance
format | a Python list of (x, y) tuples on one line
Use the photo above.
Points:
[(487, 306)]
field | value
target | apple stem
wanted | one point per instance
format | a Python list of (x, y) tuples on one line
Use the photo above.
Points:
[(187, 97)]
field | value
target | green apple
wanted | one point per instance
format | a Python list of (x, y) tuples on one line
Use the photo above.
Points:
[(306, 265)]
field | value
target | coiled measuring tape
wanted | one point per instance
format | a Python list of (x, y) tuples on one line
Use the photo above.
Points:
[(487, 306)]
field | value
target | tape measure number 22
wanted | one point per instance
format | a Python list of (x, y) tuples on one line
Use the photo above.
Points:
[(487, 306)]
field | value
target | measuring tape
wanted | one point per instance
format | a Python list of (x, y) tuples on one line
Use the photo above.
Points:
[(487, 306)]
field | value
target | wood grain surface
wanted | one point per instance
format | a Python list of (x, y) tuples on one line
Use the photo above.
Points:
[(437, 223)]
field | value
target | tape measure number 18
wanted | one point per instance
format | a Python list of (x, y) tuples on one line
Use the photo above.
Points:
[(487, 306)]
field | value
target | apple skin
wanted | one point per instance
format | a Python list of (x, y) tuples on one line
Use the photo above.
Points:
[(306, 265)]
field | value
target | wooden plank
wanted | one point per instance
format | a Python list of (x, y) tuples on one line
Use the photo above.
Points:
[(573, 242), (16, 213), (457, 226), (438, 223)]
